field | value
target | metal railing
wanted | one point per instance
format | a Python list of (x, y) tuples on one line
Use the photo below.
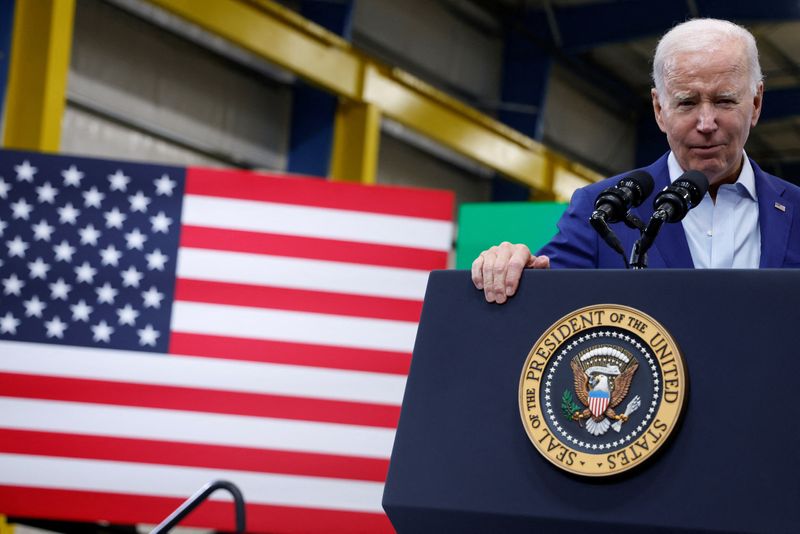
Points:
[(195, 500)]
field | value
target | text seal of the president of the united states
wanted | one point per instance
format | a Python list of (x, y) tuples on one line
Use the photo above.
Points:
[(602, 389)]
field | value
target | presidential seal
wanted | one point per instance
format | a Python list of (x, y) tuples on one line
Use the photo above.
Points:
[(601, 390)]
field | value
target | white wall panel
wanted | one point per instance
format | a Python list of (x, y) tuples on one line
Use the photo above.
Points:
[(401, 164), (137, 72), (432, 42), (582, 127), (84, 133)]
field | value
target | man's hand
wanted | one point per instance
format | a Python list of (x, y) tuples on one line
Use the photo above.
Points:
[(497, 271)]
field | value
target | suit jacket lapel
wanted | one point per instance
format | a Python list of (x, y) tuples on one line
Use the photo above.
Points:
[(671, 242), (774, 222)]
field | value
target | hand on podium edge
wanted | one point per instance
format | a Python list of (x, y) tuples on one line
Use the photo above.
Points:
[(497, 270)]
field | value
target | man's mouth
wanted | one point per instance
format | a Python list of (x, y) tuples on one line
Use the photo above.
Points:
[(702, 149)]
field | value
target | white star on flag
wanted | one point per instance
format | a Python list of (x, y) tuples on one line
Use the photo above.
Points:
[(164, 185), (9, 324), (38, 268), (5, 187), (72, 176), (127, 315), (114, 218), (17, 247), (34, 307), (25, 172), (92, 198), (148, 335), (68, 214), (160, 222), (47, 193), (64, 251), (139, 202), (89, 235), (102, 332), (55, 327), (110, 255), (59, 290), (42, 231), (21, 209), (135, 239), (152, 298), (119, 182), (81, 311), (131, 277), (85, 273), (106, 294), (156, 260)]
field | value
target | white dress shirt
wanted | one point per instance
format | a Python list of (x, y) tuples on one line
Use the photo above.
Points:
[(724, 234)]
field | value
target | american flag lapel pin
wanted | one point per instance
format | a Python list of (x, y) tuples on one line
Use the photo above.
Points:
[(780, 206)]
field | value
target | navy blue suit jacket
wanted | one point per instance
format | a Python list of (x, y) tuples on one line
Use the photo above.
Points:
[(577, 245)]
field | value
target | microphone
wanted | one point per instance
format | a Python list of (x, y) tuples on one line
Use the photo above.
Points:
[(675, 201), (613, 203), (671, 205)]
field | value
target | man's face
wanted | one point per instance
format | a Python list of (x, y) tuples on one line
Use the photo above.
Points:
[(708, 110)]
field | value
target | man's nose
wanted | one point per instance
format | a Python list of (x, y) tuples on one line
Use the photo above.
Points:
[(707, 118)]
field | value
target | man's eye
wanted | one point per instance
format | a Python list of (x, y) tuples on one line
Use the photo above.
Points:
[(685, 103)]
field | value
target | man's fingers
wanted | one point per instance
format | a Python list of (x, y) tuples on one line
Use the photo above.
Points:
[(477, 271), (516, 264), (500, 271), (489, 258), (539, 262)]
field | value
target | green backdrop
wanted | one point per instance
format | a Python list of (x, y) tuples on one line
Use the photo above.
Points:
[(482, 225)]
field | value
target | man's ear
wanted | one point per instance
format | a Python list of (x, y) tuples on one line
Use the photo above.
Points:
[(758, 100), (657, 110)]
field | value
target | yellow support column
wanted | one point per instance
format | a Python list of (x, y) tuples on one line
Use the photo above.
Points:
[(37, 78), (5, 528), (356, 138)]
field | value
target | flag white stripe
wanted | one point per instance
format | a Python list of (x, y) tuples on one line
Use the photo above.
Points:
[(292, 326), (195, 427), (308, 221), (226, 375), (298, 273), (175, 481)]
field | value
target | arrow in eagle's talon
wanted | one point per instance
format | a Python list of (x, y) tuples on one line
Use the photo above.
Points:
[(632, 406)]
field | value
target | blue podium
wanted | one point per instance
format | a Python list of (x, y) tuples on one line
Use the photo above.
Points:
[(463, 463)]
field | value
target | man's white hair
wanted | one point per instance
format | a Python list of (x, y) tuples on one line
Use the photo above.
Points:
[(697, 35)]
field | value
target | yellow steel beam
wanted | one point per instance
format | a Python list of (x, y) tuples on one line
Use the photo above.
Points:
[(356, 139), (280, 36), (37, 79), (322, 58)]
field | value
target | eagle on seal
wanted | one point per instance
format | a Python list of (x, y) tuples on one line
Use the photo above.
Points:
[(601, 396)]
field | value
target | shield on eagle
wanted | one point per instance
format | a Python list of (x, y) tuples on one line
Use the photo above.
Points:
[(598, 402)]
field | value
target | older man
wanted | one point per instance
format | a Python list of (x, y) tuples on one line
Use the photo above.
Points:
[(708, 94)]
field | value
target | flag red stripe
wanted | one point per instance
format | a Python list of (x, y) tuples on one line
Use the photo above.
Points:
[(425, 203), (280, 298), (191, 455), (312, 248), (197, 400), (130, 509), (332, 357)]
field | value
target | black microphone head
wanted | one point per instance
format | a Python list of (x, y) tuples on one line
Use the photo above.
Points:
[(696, 183), (641, 185)]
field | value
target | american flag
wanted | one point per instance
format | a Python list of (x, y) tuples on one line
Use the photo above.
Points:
[(161, 327)]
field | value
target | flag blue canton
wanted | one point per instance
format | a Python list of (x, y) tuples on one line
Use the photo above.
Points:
[(88, 250)]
